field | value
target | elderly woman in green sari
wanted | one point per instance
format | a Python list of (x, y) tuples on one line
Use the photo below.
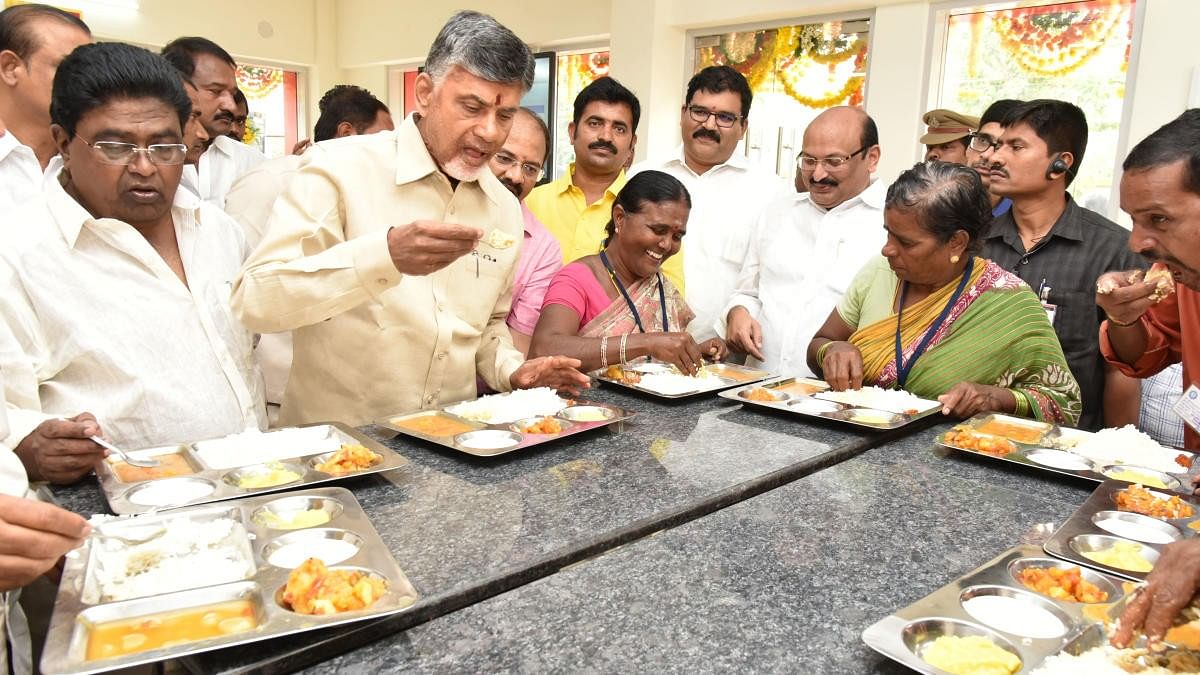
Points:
[(931, 317), (616, 306)]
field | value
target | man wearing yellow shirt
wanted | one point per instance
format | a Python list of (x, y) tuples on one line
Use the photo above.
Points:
[(576, 206), (376, 257)]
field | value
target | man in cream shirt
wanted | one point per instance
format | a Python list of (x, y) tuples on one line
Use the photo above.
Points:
[(727, 192), (375, 256), (806, 248), (114, 287)]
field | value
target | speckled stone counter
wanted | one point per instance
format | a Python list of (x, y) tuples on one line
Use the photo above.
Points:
[(783, 582), (465, 529)]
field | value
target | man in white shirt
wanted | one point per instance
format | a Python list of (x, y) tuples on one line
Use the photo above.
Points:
[(33, 537), (728, 193), (115, 287), (33, 40), (806, 248), (214, 72)]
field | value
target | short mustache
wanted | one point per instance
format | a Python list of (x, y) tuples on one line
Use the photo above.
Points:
[(595, 145), (824, 181), (998, 169), (512, 187), (223, 116), (707, 133)]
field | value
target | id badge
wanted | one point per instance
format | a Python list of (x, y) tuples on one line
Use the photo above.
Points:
[(1188, 407), (1051, 310)]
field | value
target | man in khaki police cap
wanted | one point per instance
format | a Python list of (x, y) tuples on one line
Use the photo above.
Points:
[(948, 135)]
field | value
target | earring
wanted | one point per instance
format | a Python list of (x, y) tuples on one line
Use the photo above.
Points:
[(953, 259)]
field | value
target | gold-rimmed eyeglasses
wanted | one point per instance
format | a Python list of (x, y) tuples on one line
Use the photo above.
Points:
[(116, 152), (506, 161)]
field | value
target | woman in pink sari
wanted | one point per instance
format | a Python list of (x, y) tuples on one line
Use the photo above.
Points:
[(616, 306)]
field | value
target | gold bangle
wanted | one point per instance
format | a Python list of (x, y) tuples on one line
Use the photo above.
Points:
[(604, 352), (624, 339), (821, 352), (1119, 323)]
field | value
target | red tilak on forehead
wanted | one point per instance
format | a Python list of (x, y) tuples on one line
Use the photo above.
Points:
[(497, 100)]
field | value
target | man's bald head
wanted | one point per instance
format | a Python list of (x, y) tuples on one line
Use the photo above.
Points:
[(844, 136)]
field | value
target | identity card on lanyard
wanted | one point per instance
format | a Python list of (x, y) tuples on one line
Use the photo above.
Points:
[(1188, 407)]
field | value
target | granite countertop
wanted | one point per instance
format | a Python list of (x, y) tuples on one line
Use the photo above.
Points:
[(466, 528), (784, 581)]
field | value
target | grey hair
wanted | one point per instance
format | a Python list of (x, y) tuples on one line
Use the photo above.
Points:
[(945, 198), (482, 46)]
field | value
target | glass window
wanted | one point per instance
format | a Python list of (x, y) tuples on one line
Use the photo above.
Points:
[(271, 97), (1075, 51), (795, 72), (572, 73)]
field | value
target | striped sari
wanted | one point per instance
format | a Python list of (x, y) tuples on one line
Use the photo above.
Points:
[(997, 333)]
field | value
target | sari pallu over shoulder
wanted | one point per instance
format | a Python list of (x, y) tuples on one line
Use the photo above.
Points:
[(997, 333), (616, 319)]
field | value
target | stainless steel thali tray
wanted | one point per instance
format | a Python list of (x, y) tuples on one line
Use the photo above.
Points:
[(811, 398), (717, 376), (1048, 447), (483, 439), (906, 634), (1098, 525), (215, 468), (89, 598)]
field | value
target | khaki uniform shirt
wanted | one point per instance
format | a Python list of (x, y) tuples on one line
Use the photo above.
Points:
[(369, 341)]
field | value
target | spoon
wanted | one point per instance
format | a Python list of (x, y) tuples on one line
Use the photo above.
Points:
[(140, 463)]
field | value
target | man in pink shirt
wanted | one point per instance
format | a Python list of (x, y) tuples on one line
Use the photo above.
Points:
[(518, 165)]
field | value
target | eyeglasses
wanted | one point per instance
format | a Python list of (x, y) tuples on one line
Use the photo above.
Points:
[(831, 163), (114, 152), (983, 142), (505, 161), (700, 114)]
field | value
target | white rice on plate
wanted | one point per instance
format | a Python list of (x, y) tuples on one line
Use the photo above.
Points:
[(891, 400), (675, 383), (510, 407), (256, 447), (189, 554), (1127, 445)]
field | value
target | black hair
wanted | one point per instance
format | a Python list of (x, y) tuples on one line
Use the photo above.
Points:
[(239, 99), (18, 34), (654, 187), (717, 79), (182, 53), (607, 90), (1061, 125), (997, 110), (870, 132), (346, 103), (545, 130), (96, 74), (946, 198), (1175, 141)]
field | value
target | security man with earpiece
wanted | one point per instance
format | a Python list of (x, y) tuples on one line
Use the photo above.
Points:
[(1060, 248)]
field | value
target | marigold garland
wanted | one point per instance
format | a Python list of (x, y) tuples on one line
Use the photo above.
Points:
[(250, 135), (1054, 40)]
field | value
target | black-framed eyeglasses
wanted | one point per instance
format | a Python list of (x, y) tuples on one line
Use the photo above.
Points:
[(506, 161), (116, 152), (700, 114), (807, 162), (983, 142)]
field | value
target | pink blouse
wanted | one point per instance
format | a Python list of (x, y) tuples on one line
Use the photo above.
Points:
[(576, 287)]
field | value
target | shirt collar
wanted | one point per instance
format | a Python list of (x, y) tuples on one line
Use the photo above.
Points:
[(736, 161), (872, 197), (413, 162), (1068, 225), (564, 183), (70, 216)]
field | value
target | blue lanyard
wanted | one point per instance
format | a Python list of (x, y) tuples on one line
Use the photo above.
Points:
[(662, 296), (902, 370)]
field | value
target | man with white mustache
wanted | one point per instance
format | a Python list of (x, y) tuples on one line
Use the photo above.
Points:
[(376, 255), (728, 192)]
